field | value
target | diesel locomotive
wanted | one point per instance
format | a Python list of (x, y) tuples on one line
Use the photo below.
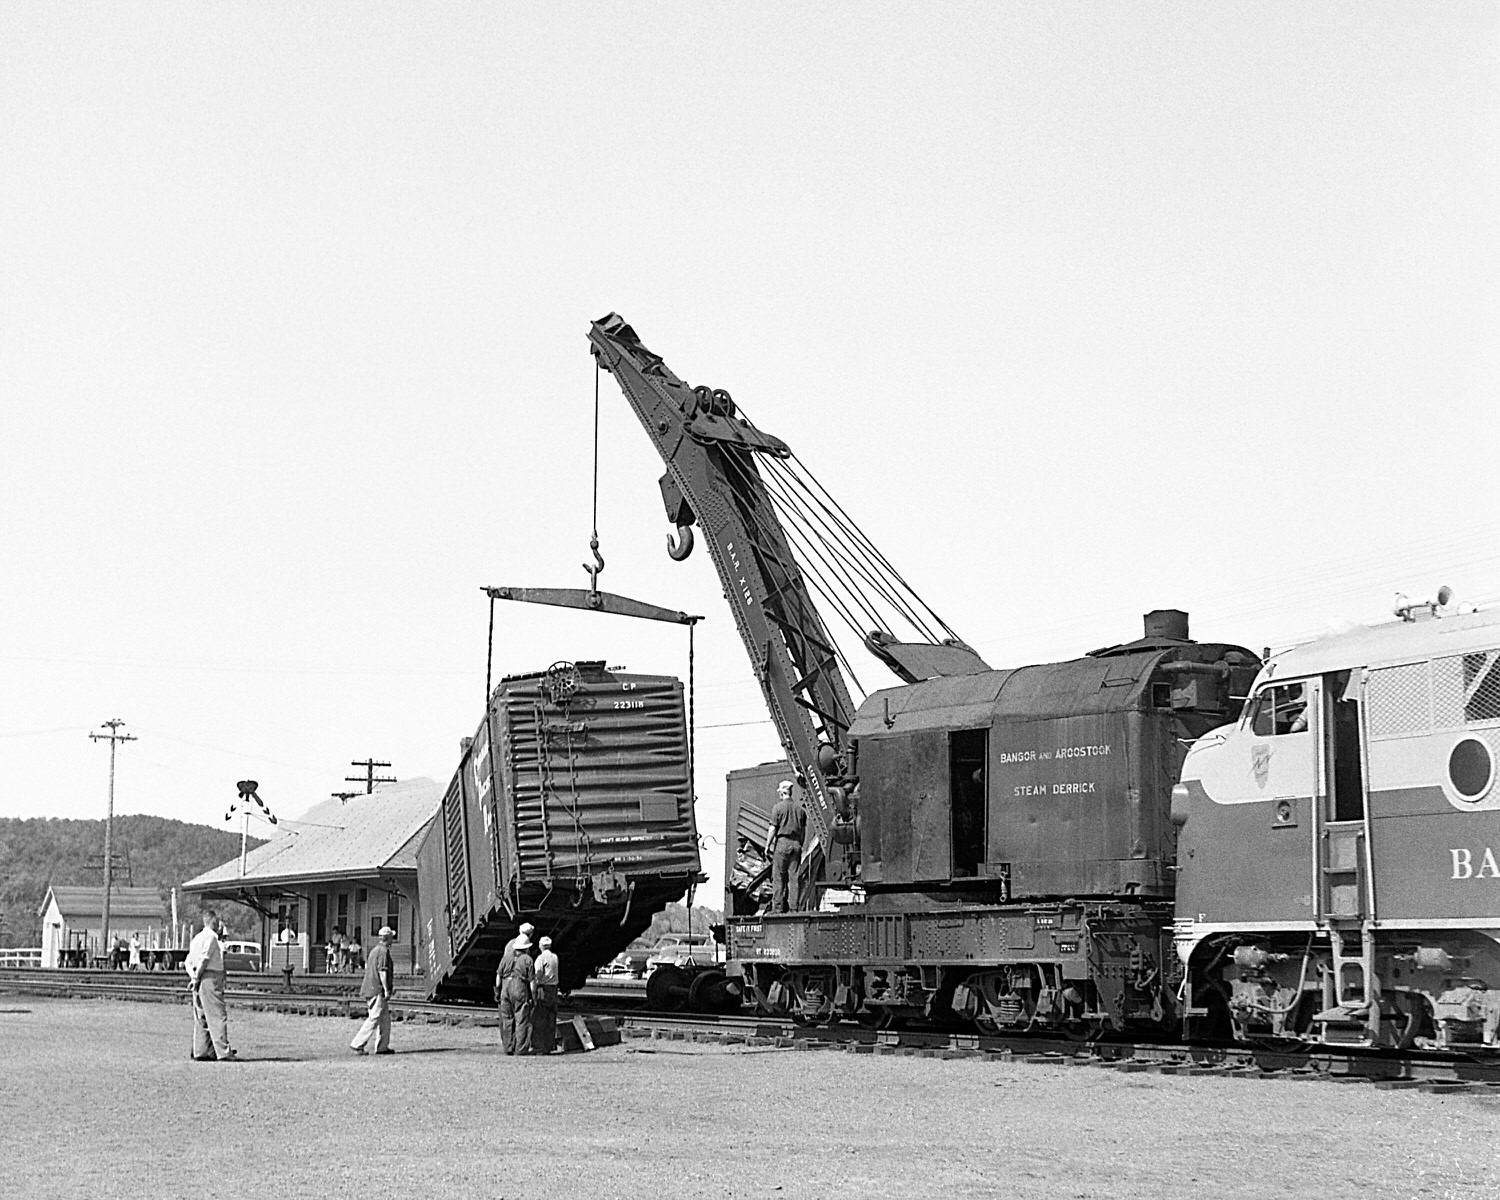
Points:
[(1338, 877)]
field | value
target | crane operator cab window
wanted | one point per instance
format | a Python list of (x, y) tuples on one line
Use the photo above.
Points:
[(1280, 710)]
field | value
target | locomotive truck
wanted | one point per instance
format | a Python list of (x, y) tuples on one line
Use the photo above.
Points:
[(1012, 848)]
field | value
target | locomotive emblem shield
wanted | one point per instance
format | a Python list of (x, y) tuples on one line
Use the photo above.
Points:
[(1260, 763)]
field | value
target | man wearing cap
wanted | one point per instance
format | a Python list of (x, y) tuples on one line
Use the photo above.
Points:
[(544, 1010), (784, 837), (513, 992), (380, 981)]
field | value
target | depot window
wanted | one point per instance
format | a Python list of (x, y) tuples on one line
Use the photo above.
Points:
[(389, 917), (1280, 710)]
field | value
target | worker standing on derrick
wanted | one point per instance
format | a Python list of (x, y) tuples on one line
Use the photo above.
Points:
[(784, 836)]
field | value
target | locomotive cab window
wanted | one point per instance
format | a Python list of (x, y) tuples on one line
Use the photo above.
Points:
[(1280, 710)]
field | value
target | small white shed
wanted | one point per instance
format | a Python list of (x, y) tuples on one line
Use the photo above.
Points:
[(73, 919)]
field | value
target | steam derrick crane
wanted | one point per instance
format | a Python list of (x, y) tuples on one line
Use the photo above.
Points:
[(744, 491)]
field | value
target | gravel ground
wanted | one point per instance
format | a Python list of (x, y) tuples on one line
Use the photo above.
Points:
[(98, 1099)]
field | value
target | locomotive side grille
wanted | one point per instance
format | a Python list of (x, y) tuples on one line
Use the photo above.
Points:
[(1466, 688), (1481, 678), (1447, 693), (1399, 701)]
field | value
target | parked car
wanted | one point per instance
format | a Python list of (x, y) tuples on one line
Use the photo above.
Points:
[(683, 950), (241, 956)]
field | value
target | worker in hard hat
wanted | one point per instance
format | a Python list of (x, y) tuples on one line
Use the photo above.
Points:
[(513, 981)]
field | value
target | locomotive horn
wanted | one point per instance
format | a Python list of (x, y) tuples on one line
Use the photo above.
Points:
[(1405, 607)]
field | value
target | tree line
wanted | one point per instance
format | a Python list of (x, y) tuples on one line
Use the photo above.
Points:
[(41, 852)]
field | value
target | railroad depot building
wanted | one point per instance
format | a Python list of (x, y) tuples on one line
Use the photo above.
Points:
[(73, 920), (344, 866)]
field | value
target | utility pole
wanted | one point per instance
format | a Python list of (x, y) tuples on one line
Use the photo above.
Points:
[(343, 797), (113, 736), (370, 779)]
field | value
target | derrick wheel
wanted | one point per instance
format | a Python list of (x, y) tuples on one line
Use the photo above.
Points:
[(875, 1018), (1083, 1029), (668, 988), (708, 993), (808, 1020)]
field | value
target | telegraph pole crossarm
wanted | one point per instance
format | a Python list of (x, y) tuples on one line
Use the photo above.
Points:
[(369, 779)]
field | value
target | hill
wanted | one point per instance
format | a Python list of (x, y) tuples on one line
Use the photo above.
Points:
[(39, 852)]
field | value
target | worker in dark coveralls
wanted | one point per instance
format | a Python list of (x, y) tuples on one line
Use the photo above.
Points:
[(784, 836), (513, 991), (544, 1004), (205, 970), (380, 981)]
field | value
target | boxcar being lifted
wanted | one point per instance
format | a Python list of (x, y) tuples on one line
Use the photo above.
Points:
[(572, 809)]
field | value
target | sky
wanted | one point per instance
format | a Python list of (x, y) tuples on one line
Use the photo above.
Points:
[(1079, 311)]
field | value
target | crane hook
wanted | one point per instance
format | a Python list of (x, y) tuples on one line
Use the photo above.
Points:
[(683, 546), (594, 570)]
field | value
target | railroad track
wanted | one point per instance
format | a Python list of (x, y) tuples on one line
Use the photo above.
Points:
[(645, 1030)]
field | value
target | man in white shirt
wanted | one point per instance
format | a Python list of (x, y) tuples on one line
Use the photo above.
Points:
[(205, 968), (544, 1004)]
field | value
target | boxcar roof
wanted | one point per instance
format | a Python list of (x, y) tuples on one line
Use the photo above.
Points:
[(368, 836)]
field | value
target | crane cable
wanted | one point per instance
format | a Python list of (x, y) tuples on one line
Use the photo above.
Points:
[(594, 540), (594, 588)]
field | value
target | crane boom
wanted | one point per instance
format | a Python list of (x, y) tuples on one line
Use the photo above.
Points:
[(712, 479)]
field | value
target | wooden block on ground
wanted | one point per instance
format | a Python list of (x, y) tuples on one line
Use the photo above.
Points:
[(587, 1033)]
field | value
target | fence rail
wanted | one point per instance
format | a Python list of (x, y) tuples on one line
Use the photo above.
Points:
[(21, 956)]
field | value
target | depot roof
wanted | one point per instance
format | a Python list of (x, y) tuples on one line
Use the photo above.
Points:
[(367, 837)]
